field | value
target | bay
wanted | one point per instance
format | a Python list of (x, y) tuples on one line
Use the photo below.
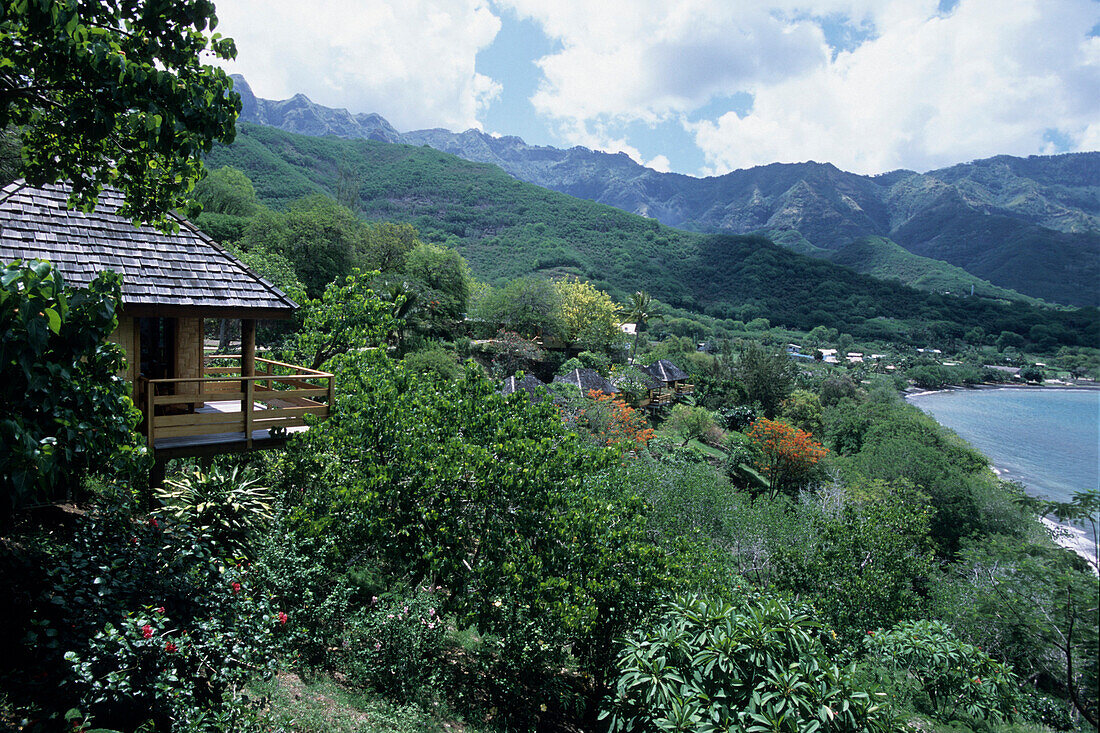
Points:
[(1046, 439)]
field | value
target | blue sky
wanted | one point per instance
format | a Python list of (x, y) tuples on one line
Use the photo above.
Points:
[(700, 86)]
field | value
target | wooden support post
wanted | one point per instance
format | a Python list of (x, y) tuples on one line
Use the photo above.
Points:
[(248, 369), (248, 397), (149, 437), (331, 394), (248, 347)]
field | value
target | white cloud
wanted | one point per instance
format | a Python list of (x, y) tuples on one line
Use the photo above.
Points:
[(625, 61), (992, 77), (412, 61), (920, 89)]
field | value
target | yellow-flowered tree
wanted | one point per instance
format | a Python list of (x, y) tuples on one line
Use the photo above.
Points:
[(590, 316)]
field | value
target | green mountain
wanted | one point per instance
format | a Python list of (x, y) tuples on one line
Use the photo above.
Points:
[(506, 228), (1030, 225)]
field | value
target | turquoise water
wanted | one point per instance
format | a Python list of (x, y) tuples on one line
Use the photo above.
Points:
[(1046, 439)]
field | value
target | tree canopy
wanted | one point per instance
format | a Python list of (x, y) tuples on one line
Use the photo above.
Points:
[(116, 94)]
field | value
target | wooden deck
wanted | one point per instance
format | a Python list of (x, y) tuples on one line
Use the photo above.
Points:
[(227, 411), (214, 443)]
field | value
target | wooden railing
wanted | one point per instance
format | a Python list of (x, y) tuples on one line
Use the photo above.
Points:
[(277, 396)]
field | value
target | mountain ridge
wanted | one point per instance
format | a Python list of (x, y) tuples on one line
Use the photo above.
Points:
[(1026, 224)]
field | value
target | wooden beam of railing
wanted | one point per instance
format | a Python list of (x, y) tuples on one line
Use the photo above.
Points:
[(304, 370)]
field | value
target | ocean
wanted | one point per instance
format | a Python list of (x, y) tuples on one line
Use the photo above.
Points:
[(1046, 439)]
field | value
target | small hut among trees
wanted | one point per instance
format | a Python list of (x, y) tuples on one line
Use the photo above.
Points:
[(532, 385), (673, 376), (192, 403), (587, 380)]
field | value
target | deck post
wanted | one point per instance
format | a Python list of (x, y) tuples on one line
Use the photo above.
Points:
[(248, 347), (248, 413), (149, 415)]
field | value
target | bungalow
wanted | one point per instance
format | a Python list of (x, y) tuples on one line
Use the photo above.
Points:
[(193, 403), (673, 376), (587, 380), (655, 394), (532, 385)]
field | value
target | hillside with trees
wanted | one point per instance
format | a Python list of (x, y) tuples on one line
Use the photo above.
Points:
[(505, 229), (1030, 225)]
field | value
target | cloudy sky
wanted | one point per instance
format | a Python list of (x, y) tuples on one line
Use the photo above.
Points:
[(699, 86)]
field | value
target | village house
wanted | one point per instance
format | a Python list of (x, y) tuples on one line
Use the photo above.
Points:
[(193, 403)]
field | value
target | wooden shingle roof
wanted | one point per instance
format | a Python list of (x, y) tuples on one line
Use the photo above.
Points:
[(586, 380), (183, 272), (530, 384), (666, 371)]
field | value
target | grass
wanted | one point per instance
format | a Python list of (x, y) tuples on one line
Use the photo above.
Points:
[(321, 705)]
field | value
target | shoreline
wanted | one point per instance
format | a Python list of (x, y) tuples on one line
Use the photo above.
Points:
[(1064, 535), (1061, 386)]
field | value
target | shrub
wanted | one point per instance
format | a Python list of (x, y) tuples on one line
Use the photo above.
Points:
[(952, 676), (63, 409), (756, 665), (395, 644), (138, 619), (227, 506)]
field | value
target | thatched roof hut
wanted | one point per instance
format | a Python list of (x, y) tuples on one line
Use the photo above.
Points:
[(587, 380), (666, 371), (532, 385)]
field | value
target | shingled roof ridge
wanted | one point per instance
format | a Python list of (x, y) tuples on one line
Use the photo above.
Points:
[(111, 208)]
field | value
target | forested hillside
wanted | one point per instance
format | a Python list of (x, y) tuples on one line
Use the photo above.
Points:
[(506, 228), (1031, 225)]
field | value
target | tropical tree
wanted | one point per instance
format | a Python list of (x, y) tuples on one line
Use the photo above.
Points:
[(786, 456), (768, 377), (590, 316), (63, 409), (116, 94), (349, 317), (639, 311)]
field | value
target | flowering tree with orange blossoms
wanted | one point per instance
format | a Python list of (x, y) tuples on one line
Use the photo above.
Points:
[(614, 423), (786, 456)]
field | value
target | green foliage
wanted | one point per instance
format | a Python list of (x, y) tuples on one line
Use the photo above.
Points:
[(864, 556), (953, 676), (63, 410), (435, 361), (349, 316), (444, 279), (590, 317), (451, 484), (322, 240), (768, 377), (227, 506), (1033, 606), (227, 191), (690, 423), (395, 645), (802, 409), (116, 94), (135, 620), (754, 665), (530, 307)]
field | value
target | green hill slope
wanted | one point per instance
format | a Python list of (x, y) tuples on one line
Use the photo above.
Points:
[(885, 259), (506, 228)]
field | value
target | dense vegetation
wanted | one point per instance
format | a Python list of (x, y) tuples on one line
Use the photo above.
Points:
[(795, 552), (505, 229), (783, 549)]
